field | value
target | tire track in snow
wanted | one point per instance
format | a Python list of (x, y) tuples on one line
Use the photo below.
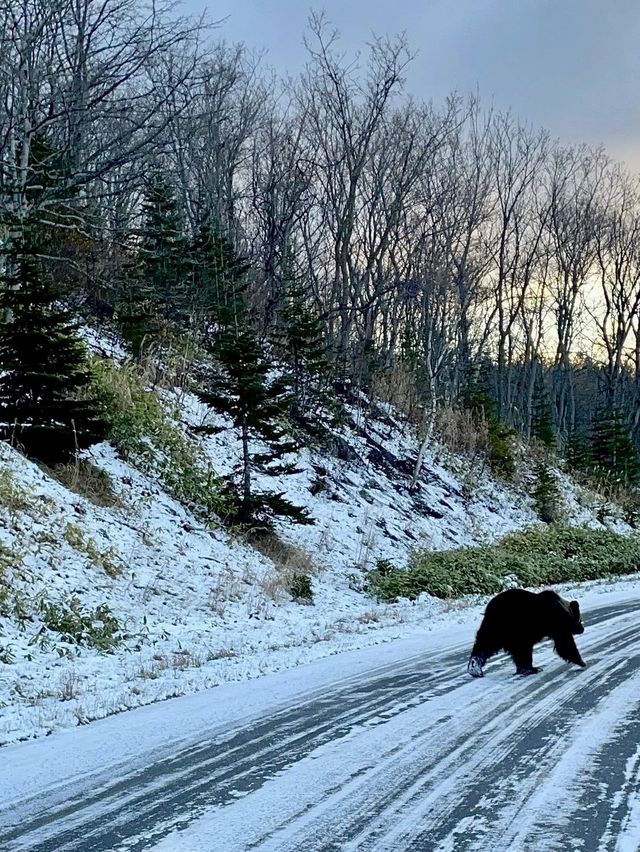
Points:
[(444, 782), (220, 769), (499, 804), (133, 812)]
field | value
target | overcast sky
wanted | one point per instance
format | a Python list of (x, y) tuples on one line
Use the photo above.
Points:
[(572, 66)]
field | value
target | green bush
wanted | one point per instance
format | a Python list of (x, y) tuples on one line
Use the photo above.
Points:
[(98, 629), (300, 588), (534, 557), (146, 433)]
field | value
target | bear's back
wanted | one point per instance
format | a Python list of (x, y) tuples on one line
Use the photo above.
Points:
[(517, 612)]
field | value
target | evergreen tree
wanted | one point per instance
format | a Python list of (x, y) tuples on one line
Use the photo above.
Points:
[(546, 495), (156, 289), (542, 420), (246, 390), (477, 398), (217, 274), (300, 337), (614, 455), (44, 364), (579, 455), (163, 247)]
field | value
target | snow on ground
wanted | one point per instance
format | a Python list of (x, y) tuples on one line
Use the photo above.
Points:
[(393, 751), (198, 608), (66, 756)]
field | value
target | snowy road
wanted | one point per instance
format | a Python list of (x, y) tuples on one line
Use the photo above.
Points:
[(411, 755)]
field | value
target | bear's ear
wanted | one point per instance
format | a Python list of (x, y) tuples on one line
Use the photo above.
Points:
[(574, 606)]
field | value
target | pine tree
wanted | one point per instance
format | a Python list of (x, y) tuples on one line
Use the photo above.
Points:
[(614, 455), (542, 420), (163, 247), (156, 289), (476, 397), (247, 391), (300, 338), (217, 274), (44, 364), (579, 454), (546, 495)]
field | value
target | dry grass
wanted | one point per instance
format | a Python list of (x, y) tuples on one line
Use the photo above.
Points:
[(13, 497), (286, 557), (69, 687), (293, 566), (369, 617), (367, 545), (229, 586), (169, 363), (397, 386), (86, 479), (461, 432), (221, 654), (178, 661)]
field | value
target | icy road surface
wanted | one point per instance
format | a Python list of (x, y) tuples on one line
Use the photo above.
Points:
[(394, 748)]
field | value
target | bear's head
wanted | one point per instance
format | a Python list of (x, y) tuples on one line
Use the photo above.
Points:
[(572, 609), (563, 615), (576, 619)]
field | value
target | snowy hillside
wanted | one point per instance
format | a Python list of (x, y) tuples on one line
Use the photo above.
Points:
[(104, 608)]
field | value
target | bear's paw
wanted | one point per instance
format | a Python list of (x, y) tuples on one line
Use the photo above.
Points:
[(474, 667)]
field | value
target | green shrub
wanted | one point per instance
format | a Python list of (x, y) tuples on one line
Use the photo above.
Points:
[(534, 557), (300, 588), (13, 497), (145, 432), (13, 602), (98, 629)]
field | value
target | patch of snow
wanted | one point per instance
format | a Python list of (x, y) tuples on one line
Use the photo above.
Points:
[(198, 607)]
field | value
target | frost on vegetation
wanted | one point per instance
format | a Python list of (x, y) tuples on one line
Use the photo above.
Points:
[(97, 629), (25, 602), (13, 601), (145, 432), (108, 560), (14, 498), (180, 660), (99, 597), (300, 588)]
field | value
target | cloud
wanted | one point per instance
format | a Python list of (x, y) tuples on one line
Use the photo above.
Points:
[(569, 65)]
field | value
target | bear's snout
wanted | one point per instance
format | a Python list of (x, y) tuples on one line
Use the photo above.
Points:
[(579, 628)]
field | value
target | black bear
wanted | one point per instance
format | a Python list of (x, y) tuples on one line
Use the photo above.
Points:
[(516, 620)]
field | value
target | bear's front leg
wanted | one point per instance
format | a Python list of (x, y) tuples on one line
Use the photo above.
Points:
[(565, 647), (522, 656), (475, 665)]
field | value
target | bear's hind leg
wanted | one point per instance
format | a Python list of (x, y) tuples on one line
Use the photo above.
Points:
[(522, 656)]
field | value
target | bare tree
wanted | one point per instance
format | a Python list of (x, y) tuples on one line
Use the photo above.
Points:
[(343, 114), (618, 264)]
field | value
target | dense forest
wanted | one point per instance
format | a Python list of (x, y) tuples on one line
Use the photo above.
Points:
[(442, 257)]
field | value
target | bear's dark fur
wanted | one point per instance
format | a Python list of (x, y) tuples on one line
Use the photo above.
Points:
[(515, 620)]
